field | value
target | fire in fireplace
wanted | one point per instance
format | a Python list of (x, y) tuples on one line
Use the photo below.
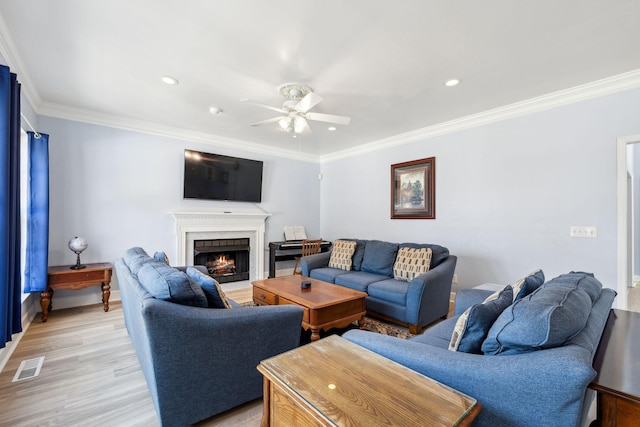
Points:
[(227, 260)]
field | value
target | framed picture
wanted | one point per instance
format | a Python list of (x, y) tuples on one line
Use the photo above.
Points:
[(413, 189)]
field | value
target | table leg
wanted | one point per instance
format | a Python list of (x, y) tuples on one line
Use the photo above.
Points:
[(106, 293), (45, 303), (315, 334)]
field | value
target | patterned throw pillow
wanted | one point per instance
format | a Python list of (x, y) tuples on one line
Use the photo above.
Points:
[(474, 324), (341, 255), (411, 262)]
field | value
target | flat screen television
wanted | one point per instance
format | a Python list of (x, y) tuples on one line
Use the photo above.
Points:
[(216, 177)]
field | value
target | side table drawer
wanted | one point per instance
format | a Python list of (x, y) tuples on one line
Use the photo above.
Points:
[(260, 296), (76, 277), (305, 316)]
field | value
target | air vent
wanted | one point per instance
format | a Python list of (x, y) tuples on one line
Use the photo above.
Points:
[(29, 368)]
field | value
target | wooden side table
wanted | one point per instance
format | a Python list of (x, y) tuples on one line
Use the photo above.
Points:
[(334, 382), (63, 277), (616, 362)]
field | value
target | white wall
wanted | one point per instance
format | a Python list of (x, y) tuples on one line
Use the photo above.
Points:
[(506, 192), (117, 189)]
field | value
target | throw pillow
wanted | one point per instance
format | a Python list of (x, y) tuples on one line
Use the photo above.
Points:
[(341, 254), (527, 285), (474, 324), (411, 262), (162, 257), (168, 284), (212, 290), (548, 317)]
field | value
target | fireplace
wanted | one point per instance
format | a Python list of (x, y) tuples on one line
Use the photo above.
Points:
[(196, 226), (227, 260)]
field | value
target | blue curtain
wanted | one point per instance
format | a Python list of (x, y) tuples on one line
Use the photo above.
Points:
[(35, 273), (10, 281)]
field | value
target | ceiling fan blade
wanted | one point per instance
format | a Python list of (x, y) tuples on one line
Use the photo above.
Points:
[(308, 102), (329, 118), (269, 107), (273, 120)]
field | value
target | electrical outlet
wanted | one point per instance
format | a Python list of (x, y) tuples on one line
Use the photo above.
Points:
[(588, 232)]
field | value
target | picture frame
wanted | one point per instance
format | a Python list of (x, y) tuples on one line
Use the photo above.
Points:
[(413, 189)]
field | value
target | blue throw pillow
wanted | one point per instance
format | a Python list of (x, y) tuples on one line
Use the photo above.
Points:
[(585, 281), (211, 288), (547, 318), (168, 284), (379, 257), (162, 257), (527, 285), (474, 324)]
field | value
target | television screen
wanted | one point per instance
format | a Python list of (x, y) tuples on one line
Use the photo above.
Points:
[(216, 177)]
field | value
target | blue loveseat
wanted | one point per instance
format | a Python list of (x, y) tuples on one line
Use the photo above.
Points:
[(535, 364), (415, 303), (197, 361)]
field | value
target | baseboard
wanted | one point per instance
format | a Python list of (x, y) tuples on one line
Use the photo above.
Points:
[(29, 311)]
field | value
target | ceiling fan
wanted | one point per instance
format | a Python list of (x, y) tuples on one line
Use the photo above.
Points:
[(299, 99)]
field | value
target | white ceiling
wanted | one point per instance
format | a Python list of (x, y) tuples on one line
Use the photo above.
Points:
[(382, 63)]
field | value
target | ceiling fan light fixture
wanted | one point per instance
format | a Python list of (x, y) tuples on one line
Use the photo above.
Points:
[(299, 123), (285, 123)]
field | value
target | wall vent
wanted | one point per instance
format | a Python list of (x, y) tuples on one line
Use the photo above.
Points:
[(29, 368)]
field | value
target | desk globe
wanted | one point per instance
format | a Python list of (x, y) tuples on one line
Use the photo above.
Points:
[(78, 245)]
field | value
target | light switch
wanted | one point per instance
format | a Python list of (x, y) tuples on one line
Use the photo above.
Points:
[(588, 232)]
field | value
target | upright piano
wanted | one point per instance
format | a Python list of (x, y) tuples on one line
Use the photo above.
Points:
[(286, 251)]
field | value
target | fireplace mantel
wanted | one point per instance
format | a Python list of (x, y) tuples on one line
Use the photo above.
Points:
[(192, 226)]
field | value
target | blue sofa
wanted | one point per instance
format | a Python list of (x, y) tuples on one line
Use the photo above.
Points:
[(534, 365), (415, 303), (197, 361)]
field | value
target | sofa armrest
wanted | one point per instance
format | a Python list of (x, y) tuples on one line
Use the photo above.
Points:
[(195, 351), (429, 294), (549, 384), (311, 262)]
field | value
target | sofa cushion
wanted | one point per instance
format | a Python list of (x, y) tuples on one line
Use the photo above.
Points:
[(379, 257), (341, 254), (527, 285), (211, 288), (358, 280), (135, 258), (438, 253), (411, 262), (546, 318), (474, 324), (585, 281), (326, 274), (168, 284), (391, 290)]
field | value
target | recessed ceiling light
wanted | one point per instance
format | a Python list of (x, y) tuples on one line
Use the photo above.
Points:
[(452, 82), (332, 128), (169, 80), (215, 110)]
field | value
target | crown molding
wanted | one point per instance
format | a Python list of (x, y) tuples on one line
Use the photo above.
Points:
[(603, 87), (118, 122)]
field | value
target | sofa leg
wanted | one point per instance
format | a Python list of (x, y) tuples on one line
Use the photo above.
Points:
[(415, 329)]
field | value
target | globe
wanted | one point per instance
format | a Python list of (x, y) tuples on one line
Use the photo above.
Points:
[(77, 245)]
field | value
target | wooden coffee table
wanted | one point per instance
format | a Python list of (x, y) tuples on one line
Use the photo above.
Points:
[(334, 382), (325, 305)]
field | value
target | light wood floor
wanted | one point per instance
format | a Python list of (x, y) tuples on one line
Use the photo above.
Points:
[(90, 376)]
